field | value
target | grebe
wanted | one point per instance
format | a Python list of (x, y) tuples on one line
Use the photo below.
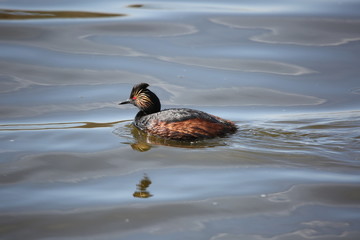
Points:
[(176, 123)]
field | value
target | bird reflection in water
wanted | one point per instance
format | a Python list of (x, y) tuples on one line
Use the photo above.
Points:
[(141, 191), (144, 142)]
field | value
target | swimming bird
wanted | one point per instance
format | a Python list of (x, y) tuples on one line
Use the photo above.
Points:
[(180, 124)]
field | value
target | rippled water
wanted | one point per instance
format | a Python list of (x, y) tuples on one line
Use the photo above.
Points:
[(286, 72)]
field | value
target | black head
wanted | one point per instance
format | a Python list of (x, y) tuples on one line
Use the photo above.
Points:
[(144, 99)]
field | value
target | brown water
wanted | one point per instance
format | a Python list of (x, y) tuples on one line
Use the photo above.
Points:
[(73, 167)]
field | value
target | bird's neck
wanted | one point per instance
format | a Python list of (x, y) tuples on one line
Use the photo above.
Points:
[(140, 114)]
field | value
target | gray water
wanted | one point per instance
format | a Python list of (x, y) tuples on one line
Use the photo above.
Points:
[(286, 72)]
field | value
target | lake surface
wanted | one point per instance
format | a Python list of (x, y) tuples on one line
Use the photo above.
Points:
[(286, 72)]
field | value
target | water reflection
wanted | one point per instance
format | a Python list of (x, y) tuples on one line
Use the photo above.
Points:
[(141, 191), (240, 96), (67, 176), (15, 76), (142, 142), (145, 29), (135, 6), (244, 65), (51, 126), (298, 31), (9, 14)]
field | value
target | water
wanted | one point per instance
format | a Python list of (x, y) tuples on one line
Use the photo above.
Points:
[(73, 166)]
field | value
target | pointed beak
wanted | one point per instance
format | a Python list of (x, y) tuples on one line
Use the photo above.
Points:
[(125, 102)]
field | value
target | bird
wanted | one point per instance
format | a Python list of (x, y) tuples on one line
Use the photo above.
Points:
[(179, 124)]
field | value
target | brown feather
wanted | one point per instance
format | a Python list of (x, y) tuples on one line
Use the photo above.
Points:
[(190, 129)]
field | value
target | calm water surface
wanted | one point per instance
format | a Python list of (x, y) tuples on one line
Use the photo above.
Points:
[(286, 72)]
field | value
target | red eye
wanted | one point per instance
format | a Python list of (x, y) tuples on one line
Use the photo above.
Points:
[(134, 98)]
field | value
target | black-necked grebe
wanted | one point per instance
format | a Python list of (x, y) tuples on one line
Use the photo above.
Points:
[(175, 123)]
